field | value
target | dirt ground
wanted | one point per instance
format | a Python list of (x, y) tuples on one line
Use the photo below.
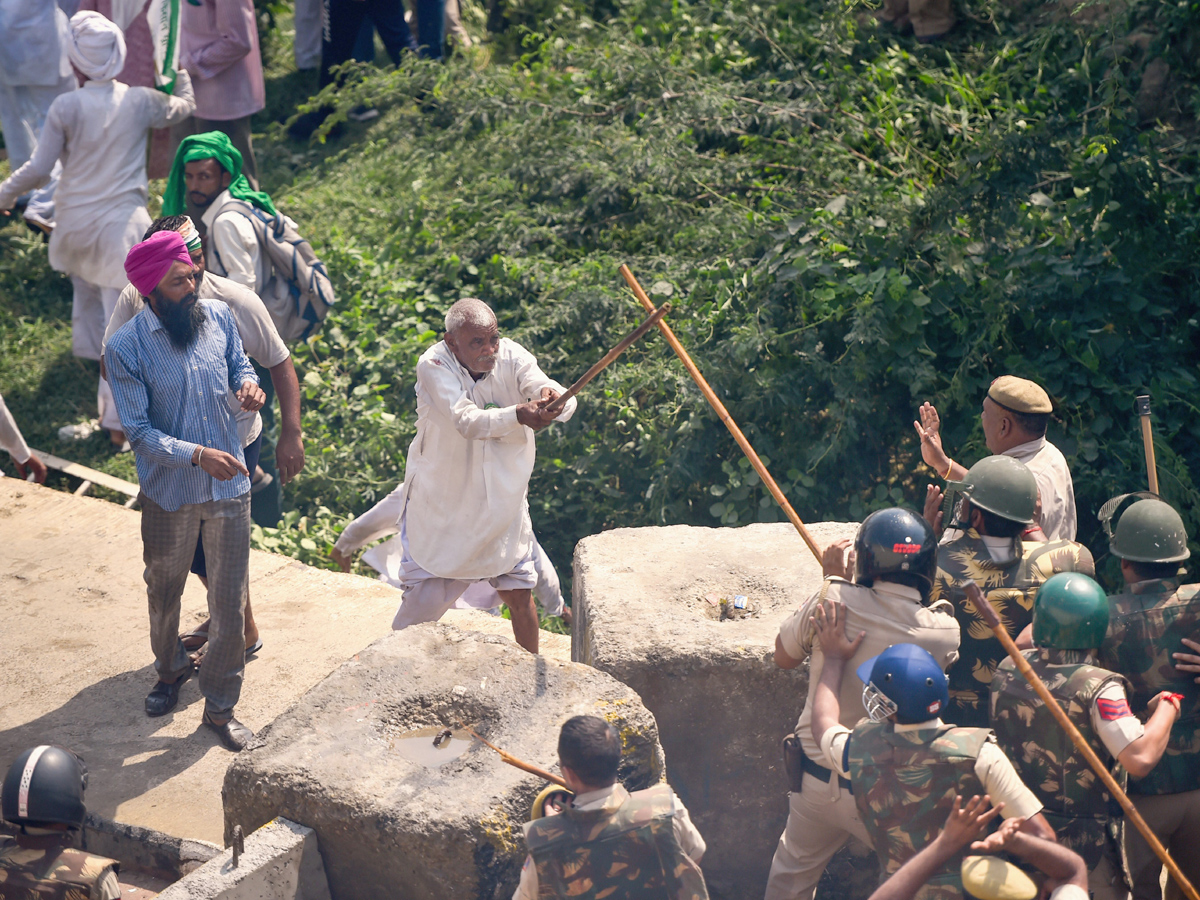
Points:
[(75, 660)]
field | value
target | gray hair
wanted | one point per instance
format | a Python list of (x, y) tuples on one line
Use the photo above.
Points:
[(469, 311)]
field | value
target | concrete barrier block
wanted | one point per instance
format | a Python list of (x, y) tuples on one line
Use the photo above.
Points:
[(281, 861), (341, 760), (647, 606)]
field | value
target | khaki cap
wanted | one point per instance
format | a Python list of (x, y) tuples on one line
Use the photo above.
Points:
[(990, 878), (1020, 395)]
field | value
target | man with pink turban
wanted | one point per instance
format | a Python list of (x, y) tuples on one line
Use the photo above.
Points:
[(172, 367), (99, 132)]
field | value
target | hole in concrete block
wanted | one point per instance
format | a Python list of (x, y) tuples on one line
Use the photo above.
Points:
[(419, 747)]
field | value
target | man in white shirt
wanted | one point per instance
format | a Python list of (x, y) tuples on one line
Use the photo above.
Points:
[(464, 514), (589, 753), (99, 134), (1014, 418), (207, 176), (383, 519)]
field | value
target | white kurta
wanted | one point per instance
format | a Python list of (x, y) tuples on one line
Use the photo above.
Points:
[(1049, 468), (100, 134), (469, 465)]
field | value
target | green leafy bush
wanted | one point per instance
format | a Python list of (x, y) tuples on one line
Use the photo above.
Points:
[(846, 223)]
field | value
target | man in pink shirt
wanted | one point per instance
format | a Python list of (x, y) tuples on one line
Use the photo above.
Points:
[(220, 52)]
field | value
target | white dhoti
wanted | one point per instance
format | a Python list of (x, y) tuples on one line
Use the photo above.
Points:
[(382, 520), (427, 597)]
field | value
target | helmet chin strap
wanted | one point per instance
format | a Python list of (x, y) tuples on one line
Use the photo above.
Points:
[(879, 706)]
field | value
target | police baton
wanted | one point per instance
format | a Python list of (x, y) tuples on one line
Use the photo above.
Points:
[(1142, 405), (723, 415), (985, 611)]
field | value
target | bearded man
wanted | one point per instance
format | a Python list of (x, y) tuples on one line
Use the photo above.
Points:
[(173, 366)]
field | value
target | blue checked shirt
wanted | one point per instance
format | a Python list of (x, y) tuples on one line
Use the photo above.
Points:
[(173, 400)]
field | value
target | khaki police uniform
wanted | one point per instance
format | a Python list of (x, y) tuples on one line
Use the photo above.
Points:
[(822, 816)]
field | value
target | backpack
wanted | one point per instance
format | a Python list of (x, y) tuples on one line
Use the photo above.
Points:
[(299, 294)]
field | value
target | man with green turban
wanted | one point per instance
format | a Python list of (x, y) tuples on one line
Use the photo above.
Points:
[(205, 179)]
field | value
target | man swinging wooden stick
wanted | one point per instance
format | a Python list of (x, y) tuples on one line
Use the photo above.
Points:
[(464, 515)]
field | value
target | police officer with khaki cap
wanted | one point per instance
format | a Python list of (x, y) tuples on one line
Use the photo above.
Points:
[(1014, 418)]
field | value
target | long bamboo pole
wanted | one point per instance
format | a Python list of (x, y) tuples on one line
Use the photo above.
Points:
[(988, 614), (723, 414)]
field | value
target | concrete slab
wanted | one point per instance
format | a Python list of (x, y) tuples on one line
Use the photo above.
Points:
[(75, 662), (354, 760), (647, 606), (280, 861)]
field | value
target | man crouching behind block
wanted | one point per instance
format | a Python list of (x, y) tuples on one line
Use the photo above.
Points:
[(608, 842), (464, 515)]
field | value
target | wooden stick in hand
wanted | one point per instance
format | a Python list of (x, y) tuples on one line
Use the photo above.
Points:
[(556, 406)]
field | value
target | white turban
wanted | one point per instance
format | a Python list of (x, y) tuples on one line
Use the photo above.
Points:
[(97, 46)]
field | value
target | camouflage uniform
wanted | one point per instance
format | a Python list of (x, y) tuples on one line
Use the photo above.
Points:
[(625, 849), (1145, 626), (1011, 588), (1082, 813), (904, 785), (44, 868)]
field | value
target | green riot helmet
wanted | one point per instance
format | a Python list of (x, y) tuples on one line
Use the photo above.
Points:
[(1147, 530), (1001, 485), (1070, 612)]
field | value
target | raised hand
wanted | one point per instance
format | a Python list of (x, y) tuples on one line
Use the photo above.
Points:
[(929, 430), (965, 823), (833, 559)]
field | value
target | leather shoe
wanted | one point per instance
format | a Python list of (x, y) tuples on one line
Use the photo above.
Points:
[(233, 734), (165, 697)]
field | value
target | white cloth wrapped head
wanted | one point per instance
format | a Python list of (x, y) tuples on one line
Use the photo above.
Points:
[(97, 46)]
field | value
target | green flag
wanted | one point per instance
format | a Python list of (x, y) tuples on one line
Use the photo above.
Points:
[(163, 18)]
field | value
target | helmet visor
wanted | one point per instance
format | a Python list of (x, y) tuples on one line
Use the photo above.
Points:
[(879, 706)]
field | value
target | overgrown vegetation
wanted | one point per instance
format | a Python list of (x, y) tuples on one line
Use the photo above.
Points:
[(846, 222)]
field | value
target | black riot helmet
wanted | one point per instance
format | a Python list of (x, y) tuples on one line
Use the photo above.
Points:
[(44, 786), (896, 545)]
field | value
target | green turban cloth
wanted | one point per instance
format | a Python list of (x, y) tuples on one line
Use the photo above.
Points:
[(210, 145)]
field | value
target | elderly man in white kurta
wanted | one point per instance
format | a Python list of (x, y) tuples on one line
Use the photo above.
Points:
[(464, 516), (99, 132)]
